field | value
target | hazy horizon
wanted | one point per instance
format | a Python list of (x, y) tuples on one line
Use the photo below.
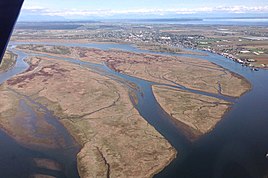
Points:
[(60, 10)]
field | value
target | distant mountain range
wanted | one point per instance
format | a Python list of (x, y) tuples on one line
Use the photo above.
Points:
[(144, 17), (40, 18)]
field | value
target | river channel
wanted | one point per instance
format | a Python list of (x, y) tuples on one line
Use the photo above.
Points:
[(238, 145)]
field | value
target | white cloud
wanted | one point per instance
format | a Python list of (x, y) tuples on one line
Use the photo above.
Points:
[(110, 12)]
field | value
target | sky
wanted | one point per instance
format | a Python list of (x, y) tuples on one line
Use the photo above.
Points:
[(80, 9)]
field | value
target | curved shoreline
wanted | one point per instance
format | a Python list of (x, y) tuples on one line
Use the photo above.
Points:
[(139, 121), (164, 168), (8, 66), (192, 128), (114, 67), (41, 147), (180, 125), (238, 76)]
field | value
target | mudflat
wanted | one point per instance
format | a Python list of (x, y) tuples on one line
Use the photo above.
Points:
[(8, 62), (116, 141), (200, 113), (192, 73)]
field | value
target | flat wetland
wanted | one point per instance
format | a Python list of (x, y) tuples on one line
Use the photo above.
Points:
[(97, 96), (8, 62), (95, 109)]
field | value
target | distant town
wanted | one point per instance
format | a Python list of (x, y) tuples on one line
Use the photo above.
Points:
[(247, 45)]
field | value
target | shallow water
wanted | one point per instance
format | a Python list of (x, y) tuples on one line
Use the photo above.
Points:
[(16, 159), (235, 148)]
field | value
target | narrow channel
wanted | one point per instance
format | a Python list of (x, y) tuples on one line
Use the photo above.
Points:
[(18, 160), (230, 147)]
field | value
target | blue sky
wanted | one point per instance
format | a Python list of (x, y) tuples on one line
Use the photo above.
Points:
[(106, 8), (132, 4)]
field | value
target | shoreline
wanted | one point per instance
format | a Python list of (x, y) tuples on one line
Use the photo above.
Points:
[(28, 129), (238, 76), (171, 50), (191, 133), (77, 136), (142, 47), (8, 64), (112, 66), (233, 58), (177, 150)]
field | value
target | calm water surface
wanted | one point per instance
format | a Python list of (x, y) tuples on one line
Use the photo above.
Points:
[(17, 160), (235, 148)]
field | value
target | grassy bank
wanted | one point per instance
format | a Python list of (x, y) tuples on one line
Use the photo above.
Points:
[(8, 62)]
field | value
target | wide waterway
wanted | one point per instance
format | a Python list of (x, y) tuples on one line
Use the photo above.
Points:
[(235, 148)]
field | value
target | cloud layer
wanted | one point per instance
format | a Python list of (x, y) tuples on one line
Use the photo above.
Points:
[(69, 13)]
